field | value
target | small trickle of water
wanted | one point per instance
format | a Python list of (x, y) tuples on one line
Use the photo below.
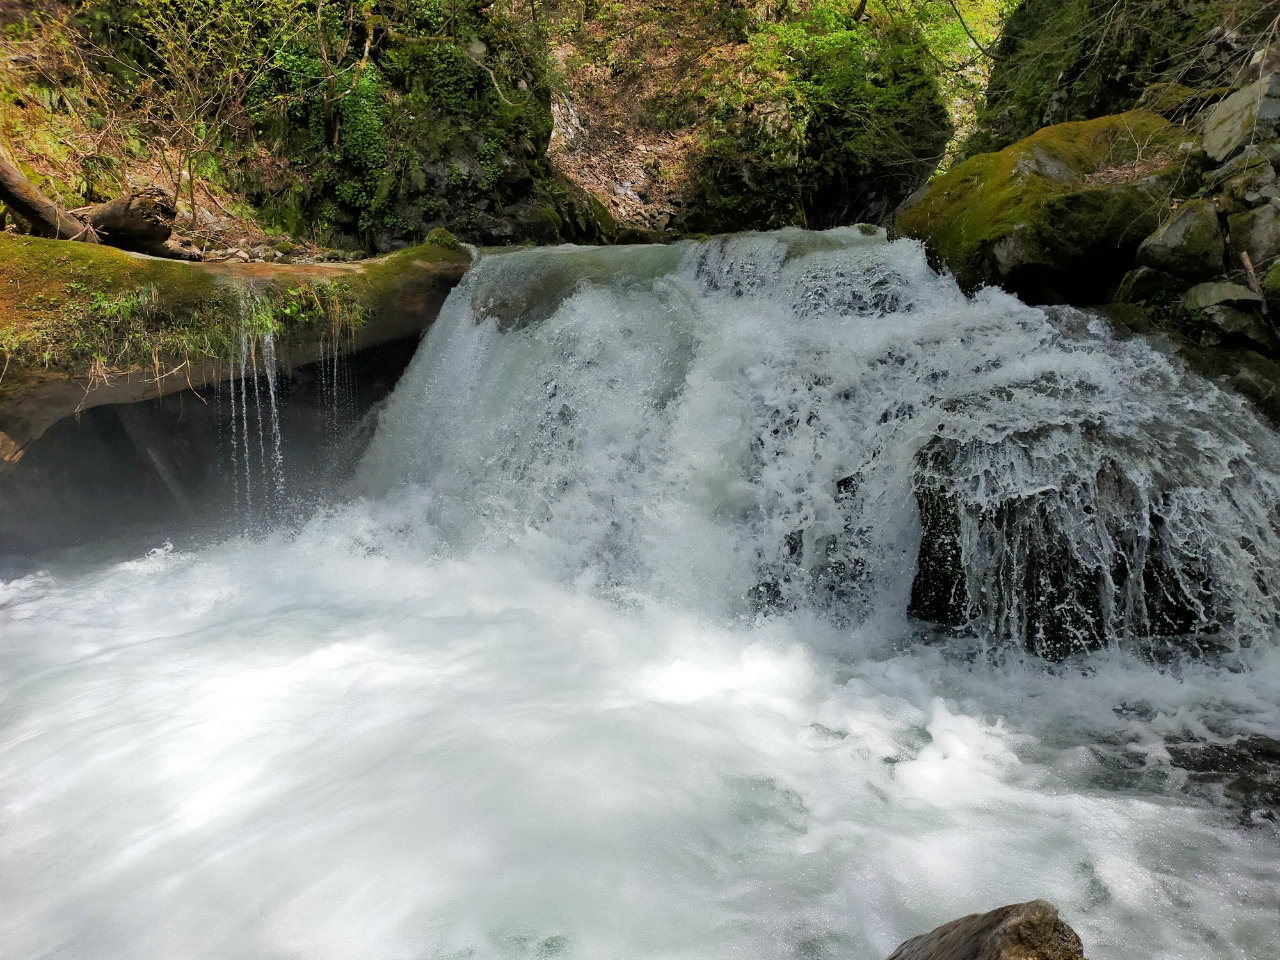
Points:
[(277, 456)]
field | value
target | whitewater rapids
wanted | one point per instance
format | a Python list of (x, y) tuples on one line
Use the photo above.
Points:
[(518, 696)]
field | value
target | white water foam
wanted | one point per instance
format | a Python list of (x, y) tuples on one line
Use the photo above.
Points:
[(516, 702)]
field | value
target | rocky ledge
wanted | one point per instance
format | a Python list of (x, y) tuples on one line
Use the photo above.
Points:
[(84, 325)]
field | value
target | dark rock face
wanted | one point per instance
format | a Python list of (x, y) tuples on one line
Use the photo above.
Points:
[(1023, 568), (1020, 931)]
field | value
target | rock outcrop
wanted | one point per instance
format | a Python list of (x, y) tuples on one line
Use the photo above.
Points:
[(1249, 115), (1020, 931), (164, 326), (1056, 217), (1180, 235), (1189, 245)]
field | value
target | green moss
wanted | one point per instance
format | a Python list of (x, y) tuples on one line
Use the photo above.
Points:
[(832, 122), (1017, 216), (76, 306), (440, 237)]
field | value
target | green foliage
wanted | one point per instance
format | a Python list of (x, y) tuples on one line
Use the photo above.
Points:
[(407, 114), (1060, 60), (823, 120), (440, 237)]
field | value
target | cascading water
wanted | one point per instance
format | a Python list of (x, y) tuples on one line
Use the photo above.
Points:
[(619, 652)]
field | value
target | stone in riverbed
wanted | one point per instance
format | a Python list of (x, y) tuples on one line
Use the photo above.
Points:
[(1248, 115), (1020, 931), (1212, 294), (1242, 325), (1249, 189), (1247, 159), (1148, 285), (1256, 232), (1189, 245)]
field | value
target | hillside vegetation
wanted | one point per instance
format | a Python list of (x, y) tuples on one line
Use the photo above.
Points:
[(363, 124)]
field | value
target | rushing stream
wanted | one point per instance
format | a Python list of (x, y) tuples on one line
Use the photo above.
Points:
[(608, 655)]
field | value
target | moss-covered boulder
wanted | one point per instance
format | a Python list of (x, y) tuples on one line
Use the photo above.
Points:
[(1189, 245), (1057, 216), (83, 324), (1257, 233)]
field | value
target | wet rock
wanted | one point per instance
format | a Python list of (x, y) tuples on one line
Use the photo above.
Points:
[(1247, 116), (1189, 245), (1019, 931), (938, 592), (1218, 292), (1243, 325), (1256, 232), (1247, 769), (1148, 285)]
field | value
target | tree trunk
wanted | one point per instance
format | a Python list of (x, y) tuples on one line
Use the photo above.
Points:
[(20, 196)]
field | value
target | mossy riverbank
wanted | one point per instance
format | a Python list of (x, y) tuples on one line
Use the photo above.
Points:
[(82, 325)]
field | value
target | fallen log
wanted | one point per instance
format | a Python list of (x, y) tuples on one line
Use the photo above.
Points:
[(141, 222), (21, 196)]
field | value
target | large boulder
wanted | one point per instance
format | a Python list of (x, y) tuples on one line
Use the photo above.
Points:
[(1257, 233), (1189, 245), (1020, 931), (1249, 115), (1057, 216)]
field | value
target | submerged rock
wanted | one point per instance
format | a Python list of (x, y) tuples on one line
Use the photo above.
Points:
[(1189, 245), (1019, 931), (1247, 770)]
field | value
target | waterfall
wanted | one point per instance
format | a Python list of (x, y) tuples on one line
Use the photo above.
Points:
[(757, 598), (806, 422)]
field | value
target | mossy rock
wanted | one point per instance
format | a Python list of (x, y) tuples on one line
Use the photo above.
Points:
[(1271, 288), (67, 304), (1057, 212)]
